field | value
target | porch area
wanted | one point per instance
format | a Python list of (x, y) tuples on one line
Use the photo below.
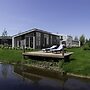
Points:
[(42, 54)]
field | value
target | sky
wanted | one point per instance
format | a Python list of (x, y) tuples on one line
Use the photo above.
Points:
[(69, 17)]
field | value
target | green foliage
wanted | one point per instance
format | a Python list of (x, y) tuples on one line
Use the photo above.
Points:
[(4, 33), (80, 62), (4, 36), (10, 55), (89, 43), (82, 40), (86, 40), (86, 46), (61, 64)]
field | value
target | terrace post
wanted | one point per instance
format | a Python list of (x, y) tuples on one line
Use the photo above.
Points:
[(24, 48), (63, 52)]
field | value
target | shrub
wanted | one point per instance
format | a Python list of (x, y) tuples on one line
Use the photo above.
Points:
[(86, 47)]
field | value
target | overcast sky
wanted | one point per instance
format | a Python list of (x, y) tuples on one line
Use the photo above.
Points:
[(70, 17)]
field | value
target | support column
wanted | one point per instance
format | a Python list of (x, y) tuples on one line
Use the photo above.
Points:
[(21, 44), (79, 43), (33, 42), (13, 42), (25, 43), (63, 52)]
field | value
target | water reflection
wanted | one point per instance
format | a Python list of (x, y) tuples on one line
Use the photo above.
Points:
[(42, 82), (64, 83), (20, 80), (4, 71)]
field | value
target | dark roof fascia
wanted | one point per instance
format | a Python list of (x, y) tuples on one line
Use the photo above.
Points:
[(32, 30), (22, 33)]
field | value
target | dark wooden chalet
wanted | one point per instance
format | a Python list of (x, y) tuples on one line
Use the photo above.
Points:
[(35, 38)]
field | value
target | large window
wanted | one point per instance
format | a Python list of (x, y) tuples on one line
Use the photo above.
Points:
[(46, 39), (38, 39), (27, 41), (51, 40), (31, 42), (18, 43)]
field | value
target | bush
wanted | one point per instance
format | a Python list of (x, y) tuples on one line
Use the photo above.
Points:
[(1, 46), (86, 47)]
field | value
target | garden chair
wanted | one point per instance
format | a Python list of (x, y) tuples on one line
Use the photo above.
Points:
[(49, 49), (59, 49)]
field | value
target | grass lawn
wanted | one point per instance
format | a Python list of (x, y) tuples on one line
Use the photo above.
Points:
[(11, 56), (80, 62)]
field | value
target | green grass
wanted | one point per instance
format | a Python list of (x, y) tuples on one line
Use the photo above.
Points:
[(80, 62), (10, 56)]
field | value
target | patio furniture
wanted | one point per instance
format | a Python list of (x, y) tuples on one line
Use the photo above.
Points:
[(59, 49), (49, 49)]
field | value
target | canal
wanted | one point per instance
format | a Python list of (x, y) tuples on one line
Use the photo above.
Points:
[(11, 80)]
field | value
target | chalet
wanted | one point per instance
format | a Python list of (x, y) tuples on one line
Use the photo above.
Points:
[(35, 38)]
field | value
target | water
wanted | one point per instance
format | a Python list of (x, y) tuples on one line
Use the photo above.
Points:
[(9, 80)]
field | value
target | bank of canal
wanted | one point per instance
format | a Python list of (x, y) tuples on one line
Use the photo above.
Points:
[(11, 79)]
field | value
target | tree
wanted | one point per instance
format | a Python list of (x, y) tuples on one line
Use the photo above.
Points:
[(82, 40), (4, 36), (86, 41), (4, 33), (89, 42)]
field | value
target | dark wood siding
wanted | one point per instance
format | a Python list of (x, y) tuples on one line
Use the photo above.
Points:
[(42, 39)]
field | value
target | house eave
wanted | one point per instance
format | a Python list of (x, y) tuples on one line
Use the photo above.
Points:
[(32, 30)]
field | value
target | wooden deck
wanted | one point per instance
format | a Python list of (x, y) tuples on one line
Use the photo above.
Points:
[(48, 55)]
